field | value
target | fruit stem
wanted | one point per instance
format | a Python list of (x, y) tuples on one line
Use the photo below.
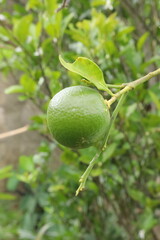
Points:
[(113, 118), (131, 85), (87, 172), (96, 157)]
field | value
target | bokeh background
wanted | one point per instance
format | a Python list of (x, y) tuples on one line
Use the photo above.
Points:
[(38, 177)]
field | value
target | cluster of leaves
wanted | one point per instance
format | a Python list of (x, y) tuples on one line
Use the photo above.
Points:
[(122, 197)]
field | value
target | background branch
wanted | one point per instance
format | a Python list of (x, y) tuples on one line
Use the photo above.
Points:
[(65, 4)]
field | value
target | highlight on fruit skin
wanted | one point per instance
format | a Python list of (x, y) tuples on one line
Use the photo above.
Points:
[(77, 117)]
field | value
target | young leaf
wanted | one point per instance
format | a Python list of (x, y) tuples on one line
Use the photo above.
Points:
[(26, 163), (28, 84), (137, 195), (5, 172), (21, 27), (142, 40), (51, 6), (87, 69), (14, 89), (7, 196), (125, 31), (33, 4), (155, 99)]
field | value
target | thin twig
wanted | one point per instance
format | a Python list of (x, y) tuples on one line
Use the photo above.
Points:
[(14, 132), (87, 172), (85, 175), (134, 11), (65, 4)]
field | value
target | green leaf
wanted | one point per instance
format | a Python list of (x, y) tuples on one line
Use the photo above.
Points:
[(33, 3), (142, 40), (137, 195), (52, 25), (65, 23), (125, 31), (12, 183), (132, 58), (4, 33), (28, 84), (131, 109), (5, 172), (26, 163), (54, 84), (96, 3), (87, 69), (155, 99), (155, 59), (35, 32), (79, 35), (68, 156), (51, 6), (6, 196), (147, 220), (110, 47), (21, 27), (107, 154), (96, 172), (14, 89)]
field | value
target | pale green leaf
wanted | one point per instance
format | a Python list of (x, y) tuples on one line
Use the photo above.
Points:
[(131, 109), (142, 40), (35, 31), (51, 6), (42, 231), (12, 183), (147, 220), (38, 29), (87, 69), (6, 196), (125, 31), (5, 169), (14, 89), (28, 84), (107, 154), (96, 3), (26, 163), (155, 59), (110, 47), (97, 172), (52, 24), (65, 23), (155, 99), (5, 172), (79, 35), (4, 33), (137, 195), (33, 3), (21, 27)]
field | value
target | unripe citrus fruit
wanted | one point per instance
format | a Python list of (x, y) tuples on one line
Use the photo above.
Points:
[(78, 117)]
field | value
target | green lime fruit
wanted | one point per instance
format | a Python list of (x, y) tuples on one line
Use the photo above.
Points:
[(78, 117)]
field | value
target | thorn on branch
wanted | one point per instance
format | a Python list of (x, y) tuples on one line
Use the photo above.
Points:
[(64, 4)]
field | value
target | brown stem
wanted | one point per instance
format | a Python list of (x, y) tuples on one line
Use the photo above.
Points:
[(65, 4)]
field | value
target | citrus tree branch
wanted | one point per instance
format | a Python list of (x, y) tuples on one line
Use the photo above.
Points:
[(64, 4), (14, 132), (87, 172), (98, 154), (113, 117), (131, 85)]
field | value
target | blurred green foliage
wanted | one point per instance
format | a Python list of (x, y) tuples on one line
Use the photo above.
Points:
[(123, 192)]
